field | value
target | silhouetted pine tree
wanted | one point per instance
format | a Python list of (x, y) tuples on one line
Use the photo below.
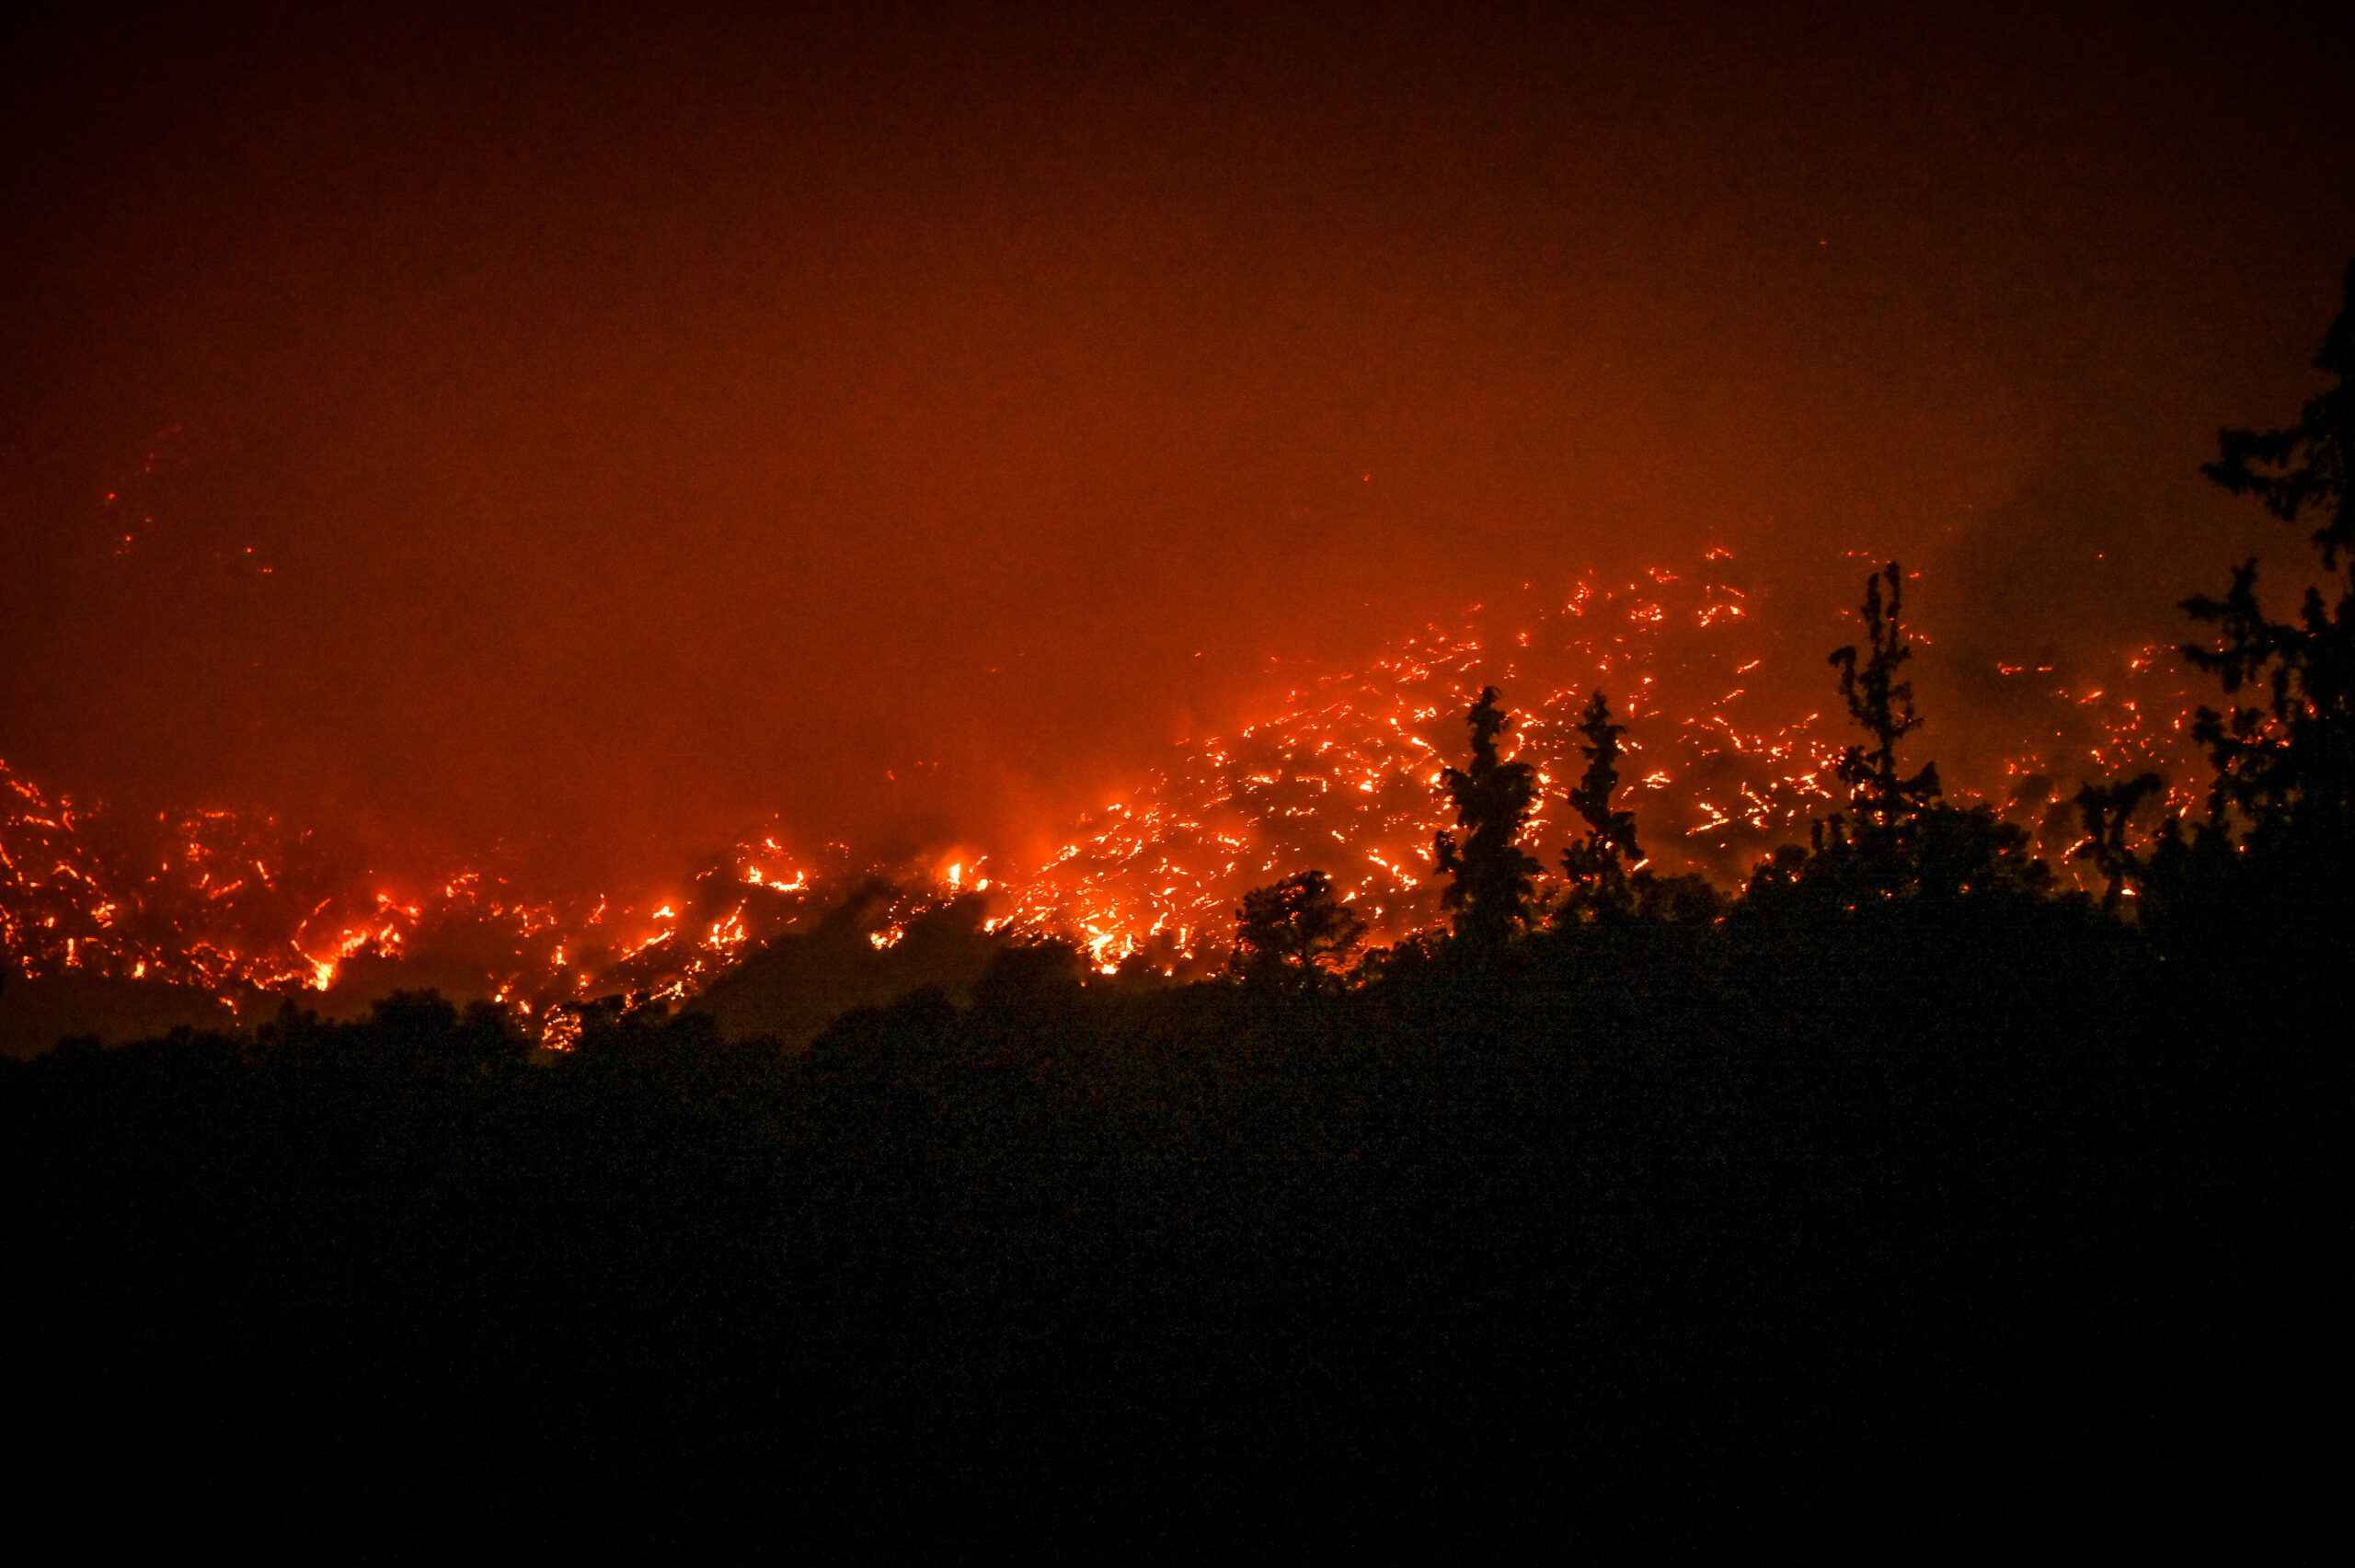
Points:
[(1597, 864), (1493, 875), (2285, 763), (1883, 800), (1896, 838)]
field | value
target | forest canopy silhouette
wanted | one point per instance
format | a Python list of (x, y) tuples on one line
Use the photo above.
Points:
[(1908, 1179)]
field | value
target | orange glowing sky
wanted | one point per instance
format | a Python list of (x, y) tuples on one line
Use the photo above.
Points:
[(590, 432)]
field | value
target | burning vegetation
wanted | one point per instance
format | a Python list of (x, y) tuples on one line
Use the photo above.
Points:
[(1345, 777), (1348, 782)]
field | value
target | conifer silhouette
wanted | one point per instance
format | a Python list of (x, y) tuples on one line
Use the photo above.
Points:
[(1597, 864), (1882, 706), (1867, 842), (2285, 763), (1896, 837), (1493, 876)]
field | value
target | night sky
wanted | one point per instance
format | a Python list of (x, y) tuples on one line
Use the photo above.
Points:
[(592, 430)]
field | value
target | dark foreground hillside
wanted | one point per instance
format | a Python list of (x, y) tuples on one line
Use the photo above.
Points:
[(1905, 1221)]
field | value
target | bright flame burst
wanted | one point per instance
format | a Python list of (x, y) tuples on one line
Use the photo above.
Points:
[(1343, 778)]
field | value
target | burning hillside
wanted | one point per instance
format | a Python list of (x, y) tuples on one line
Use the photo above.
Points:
[(1342, 777), (1722, 767)]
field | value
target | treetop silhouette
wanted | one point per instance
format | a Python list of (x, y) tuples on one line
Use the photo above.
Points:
[(1293, 934), (2305, 467), (1895, 837), (1494, 878), (1597, 865), (2285, 763), (1882, 706)]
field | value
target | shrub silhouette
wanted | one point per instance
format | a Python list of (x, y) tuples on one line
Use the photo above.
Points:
[(1292, 935), (2107, 811)]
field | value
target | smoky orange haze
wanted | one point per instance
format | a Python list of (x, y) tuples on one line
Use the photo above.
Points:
[(575, 435)]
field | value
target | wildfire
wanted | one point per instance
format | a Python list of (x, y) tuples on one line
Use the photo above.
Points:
[(1343, 777), (1340, 777)]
